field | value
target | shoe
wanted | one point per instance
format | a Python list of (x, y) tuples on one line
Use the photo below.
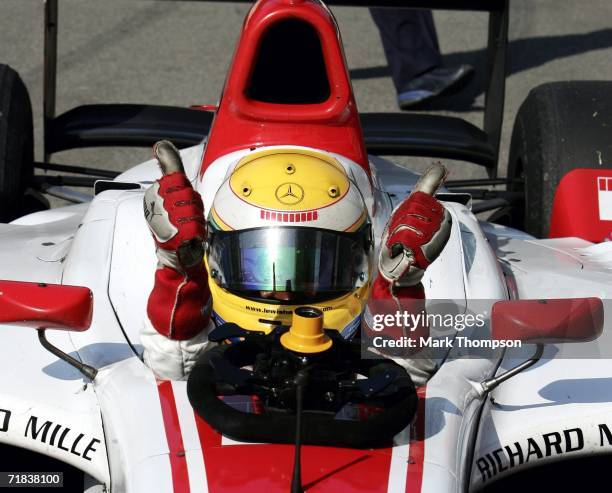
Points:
[(434, 83)]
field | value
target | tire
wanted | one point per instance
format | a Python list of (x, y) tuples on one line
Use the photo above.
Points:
[(16, 144), (559, 127)]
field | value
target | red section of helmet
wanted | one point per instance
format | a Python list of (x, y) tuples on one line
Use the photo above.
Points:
[(242, 122), (290, 217), (583, 205)]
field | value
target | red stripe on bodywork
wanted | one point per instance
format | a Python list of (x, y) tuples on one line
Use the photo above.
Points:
[(414, 480), (208, 436), (178, 463), (248, 468)]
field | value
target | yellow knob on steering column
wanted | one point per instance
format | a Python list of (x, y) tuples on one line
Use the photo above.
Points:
[(306, 333)]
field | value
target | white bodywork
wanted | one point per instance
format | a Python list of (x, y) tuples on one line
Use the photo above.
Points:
[(106, 246)]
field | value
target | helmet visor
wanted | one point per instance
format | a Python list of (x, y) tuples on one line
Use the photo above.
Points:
[(305, 264)]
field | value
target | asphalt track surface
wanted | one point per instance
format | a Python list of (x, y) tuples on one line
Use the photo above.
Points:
[(176, 53)]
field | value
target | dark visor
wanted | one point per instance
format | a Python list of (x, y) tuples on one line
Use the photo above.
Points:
[(309, 263)]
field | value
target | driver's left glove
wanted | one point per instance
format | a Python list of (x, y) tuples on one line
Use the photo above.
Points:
[(414, 237), (416, 233)]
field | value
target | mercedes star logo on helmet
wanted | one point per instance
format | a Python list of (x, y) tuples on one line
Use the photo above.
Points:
[(289, 193)]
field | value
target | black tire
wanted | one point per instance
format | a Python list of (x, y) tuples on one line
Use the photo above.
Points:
[(559, 127), (16, 144)]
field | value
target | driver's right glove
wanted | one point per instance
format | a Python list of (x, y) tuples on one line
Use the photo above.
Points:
[(178, 310)]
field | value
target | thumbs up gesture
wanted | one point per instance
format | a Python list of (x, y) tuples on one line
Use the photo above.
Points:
[(175, 213)]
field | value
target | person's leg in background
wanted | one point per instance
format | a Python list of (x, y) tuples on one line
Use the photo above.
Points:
[(411, 47)]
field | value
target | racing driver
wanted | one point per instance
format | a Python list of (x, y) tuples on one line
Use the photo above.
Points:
[(287, 227)]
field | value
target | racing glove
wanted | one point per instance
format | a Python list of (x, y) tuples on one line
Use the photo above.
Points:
[(179, 304), (416, 233), (414, 237)]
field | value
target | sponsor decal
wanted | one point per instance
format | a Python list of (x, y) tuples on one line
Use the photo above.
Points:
[(5, 419), (279, 311), (61, 437), (269, 311), (604, 195), (289, 193), (538, 447)]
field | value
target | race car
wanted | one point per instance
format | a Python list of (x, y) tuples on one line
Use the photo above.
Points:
[(82, 402)]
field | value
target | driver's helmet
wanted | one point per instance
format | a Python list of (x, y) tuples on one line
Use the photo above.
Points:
[(289, 228)]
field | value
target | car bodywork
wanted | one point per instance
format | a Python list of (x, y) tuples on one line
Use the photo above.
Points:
[(148, 431), (130, 432)]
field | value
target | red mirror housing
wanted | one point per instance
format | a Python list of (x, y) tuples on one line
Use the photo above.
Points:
[(548, 321), (45, 306)]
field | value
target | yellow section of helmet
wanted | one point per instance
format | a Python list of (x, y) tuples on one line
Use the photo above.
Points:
[(256, 315), (289, 180), (218, 221)]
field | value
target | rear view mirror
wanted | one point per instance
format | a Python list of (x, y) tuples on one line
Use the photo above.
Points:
[(48, 306), (45, 306), (543, 322), (548, 321)]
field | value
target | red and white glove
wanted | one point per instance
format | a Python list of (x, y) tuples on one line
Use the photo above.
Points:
[(179, 304), (414, 237), (416, 234)]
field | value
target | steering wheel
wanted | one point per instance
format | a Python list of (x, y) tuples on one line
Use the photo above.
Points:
[(335, 380)]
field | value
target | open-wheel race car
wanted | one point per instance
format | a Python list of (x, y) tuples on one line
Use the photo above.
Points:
[(294, 402)]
